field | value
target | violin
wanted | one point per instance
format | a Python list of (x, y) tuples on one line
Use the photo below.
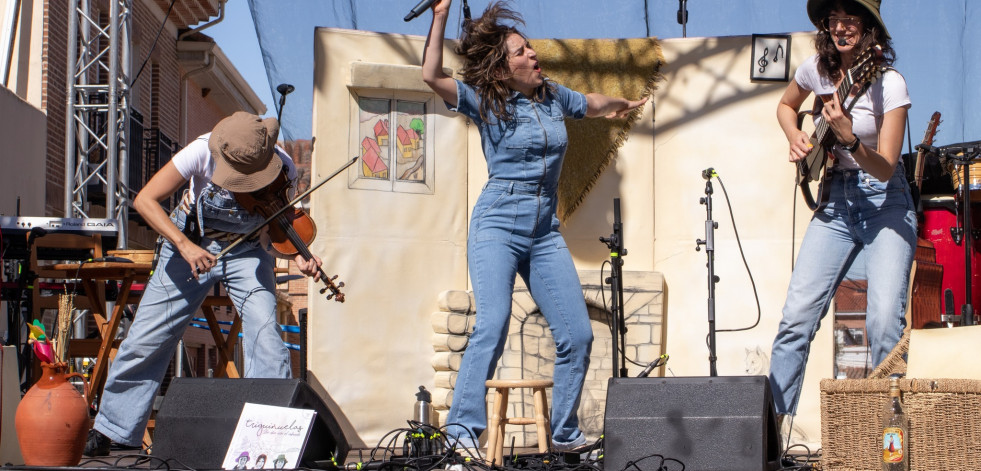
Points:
[(290, 231)]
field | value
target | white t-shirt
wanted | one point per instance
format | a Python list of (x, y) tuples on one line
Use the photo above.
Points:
[(886, 94), (194, 163)]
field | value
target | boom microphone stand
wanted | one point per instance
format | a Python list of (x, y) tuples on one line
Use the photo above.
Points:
[(283, 89), (615, 280), (962, 155), (302, 315), (709, 243)]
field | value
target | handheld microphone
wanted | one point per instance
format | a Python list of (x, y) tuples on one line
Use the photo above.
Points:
[(842, 42), (419, 9), (661, 360), (709, 173), (285, 89)]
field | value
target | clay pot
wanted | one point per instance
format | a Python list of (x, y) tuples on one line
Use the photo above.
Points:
[(52, 419)]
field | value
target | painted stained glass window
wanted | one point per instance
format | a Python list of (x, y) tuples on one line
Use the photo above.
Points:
[(393, 140)]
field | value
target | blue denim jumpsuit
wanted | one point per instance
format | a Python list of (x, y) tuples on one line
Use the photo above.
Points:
[(171, 299), (514, 231)]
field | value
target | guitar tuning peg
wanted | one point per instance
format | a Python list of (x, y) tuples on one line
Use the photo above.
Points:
[(340, 285)]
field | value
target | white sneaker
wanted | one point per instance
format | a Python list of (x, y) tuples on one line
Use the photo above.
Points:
[(576, 445)]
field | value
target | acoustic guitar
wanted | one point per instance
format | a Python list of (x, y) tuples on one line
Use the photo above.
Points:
[(814, 169), (926, 277), (931, 132)]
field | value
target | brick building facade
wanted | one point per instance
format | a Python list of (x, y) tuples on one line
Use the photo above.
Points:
[(180, 85)]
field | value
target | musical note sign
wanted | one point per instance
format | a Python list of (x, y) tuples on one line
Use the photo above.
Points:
[(771, 59)]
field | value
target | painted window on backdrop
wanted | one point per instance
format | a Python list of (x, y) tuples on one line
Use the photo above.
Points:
[(394, 141)]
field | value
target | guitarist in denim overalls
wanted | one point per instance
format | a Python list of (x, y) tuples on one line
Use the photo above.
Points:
[(239, 155), (869, 211)]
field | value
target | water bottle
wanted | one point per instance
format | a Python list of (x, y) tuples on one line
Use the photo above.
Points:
[(423, 409)]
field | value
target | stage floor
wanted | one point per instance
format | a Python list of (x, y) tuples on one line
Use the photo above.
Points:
[(127, 459)]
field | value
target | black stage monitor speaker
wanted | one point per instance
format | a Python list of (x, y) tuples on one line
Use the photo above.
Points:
[(198, 416), (706, 423)]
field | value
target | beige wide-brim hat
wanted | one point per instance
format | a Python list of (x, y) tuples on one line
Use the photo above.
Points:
[(243, 148), (815, 8)]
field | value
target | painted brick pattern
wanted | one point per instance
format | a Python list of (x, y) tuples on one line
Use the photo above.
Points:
[(530, 351)]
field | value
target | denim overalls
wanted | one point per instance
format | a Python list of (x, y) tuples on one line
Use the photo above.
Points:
[(514, 231), (863, 215), (172, 297)]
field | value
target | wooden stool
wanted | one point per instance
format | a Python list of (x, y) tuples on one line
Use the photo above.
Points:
[(499, 415)]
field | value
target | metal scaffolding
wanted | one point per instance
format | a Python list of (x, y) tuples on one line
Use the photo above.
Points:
[(97, 112)]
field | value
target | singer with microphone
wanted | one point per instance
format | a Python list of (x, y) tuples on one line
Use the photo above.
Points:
[(514, 229), (870, 213)]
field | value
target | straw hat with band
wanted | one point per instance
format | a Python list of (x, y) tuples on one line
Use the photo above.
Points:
[(818, 9), (242, 146)]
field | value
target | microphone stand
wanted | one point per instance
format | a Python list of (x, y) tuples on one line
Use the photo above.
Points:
[(302, 315), (283, 89), (683, 17), (615, 280), (963, 157), (709, 243), (967, 310)]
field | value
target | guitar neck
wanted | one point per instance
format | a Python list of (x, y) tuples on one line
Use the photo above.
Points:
[(921, 154), (918, 172), (823, 129)]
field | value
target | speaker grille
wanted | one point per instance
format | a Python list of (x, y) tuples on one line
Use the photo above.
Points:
[(707, 423), (197, 419)]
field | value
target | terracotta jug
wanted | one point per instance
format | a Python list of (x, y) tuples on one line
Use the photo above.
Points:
[(52, 419)]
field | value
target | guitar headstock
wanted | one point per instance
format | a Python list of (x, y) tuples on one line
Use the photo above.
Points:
[(931, 130), (867, 68)]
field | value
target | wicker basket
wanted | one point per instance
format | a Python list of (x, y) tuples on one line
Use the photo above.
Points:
[(944, 419)]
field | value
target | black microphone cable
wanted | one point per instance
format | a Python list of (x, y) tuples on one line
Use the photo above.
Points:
[(609, 314), (742, 254)]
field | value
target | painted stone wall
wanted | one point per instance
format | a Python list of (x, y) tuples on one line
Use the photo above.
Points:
[(529, 352)]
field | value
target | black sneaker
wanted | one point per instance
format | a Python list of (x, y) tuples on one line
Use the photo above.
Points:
[(97, 444)]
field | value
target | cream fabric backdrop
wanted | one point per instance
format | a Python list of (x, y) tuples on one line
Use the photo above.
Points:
[(398, 251)]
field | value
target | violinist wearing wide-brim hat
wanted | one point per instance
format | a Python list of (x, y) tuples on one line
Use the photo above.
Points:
[(239, 156)]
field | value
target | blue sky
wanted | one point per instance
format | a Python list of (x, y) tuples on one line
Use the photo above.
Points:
[(935, 40), (236, 37)]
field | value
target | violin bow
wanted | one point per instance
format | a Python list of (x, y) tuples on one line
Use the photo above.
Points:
[(285, 207)]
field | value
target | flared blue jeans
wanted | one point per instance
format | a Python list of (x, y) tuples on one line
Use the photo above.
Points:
[(863, 214), (514, 231)]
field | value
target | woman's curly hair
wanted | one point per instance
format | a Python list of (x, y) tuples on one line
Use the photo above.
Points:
[(485, 60), (829, 59)]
